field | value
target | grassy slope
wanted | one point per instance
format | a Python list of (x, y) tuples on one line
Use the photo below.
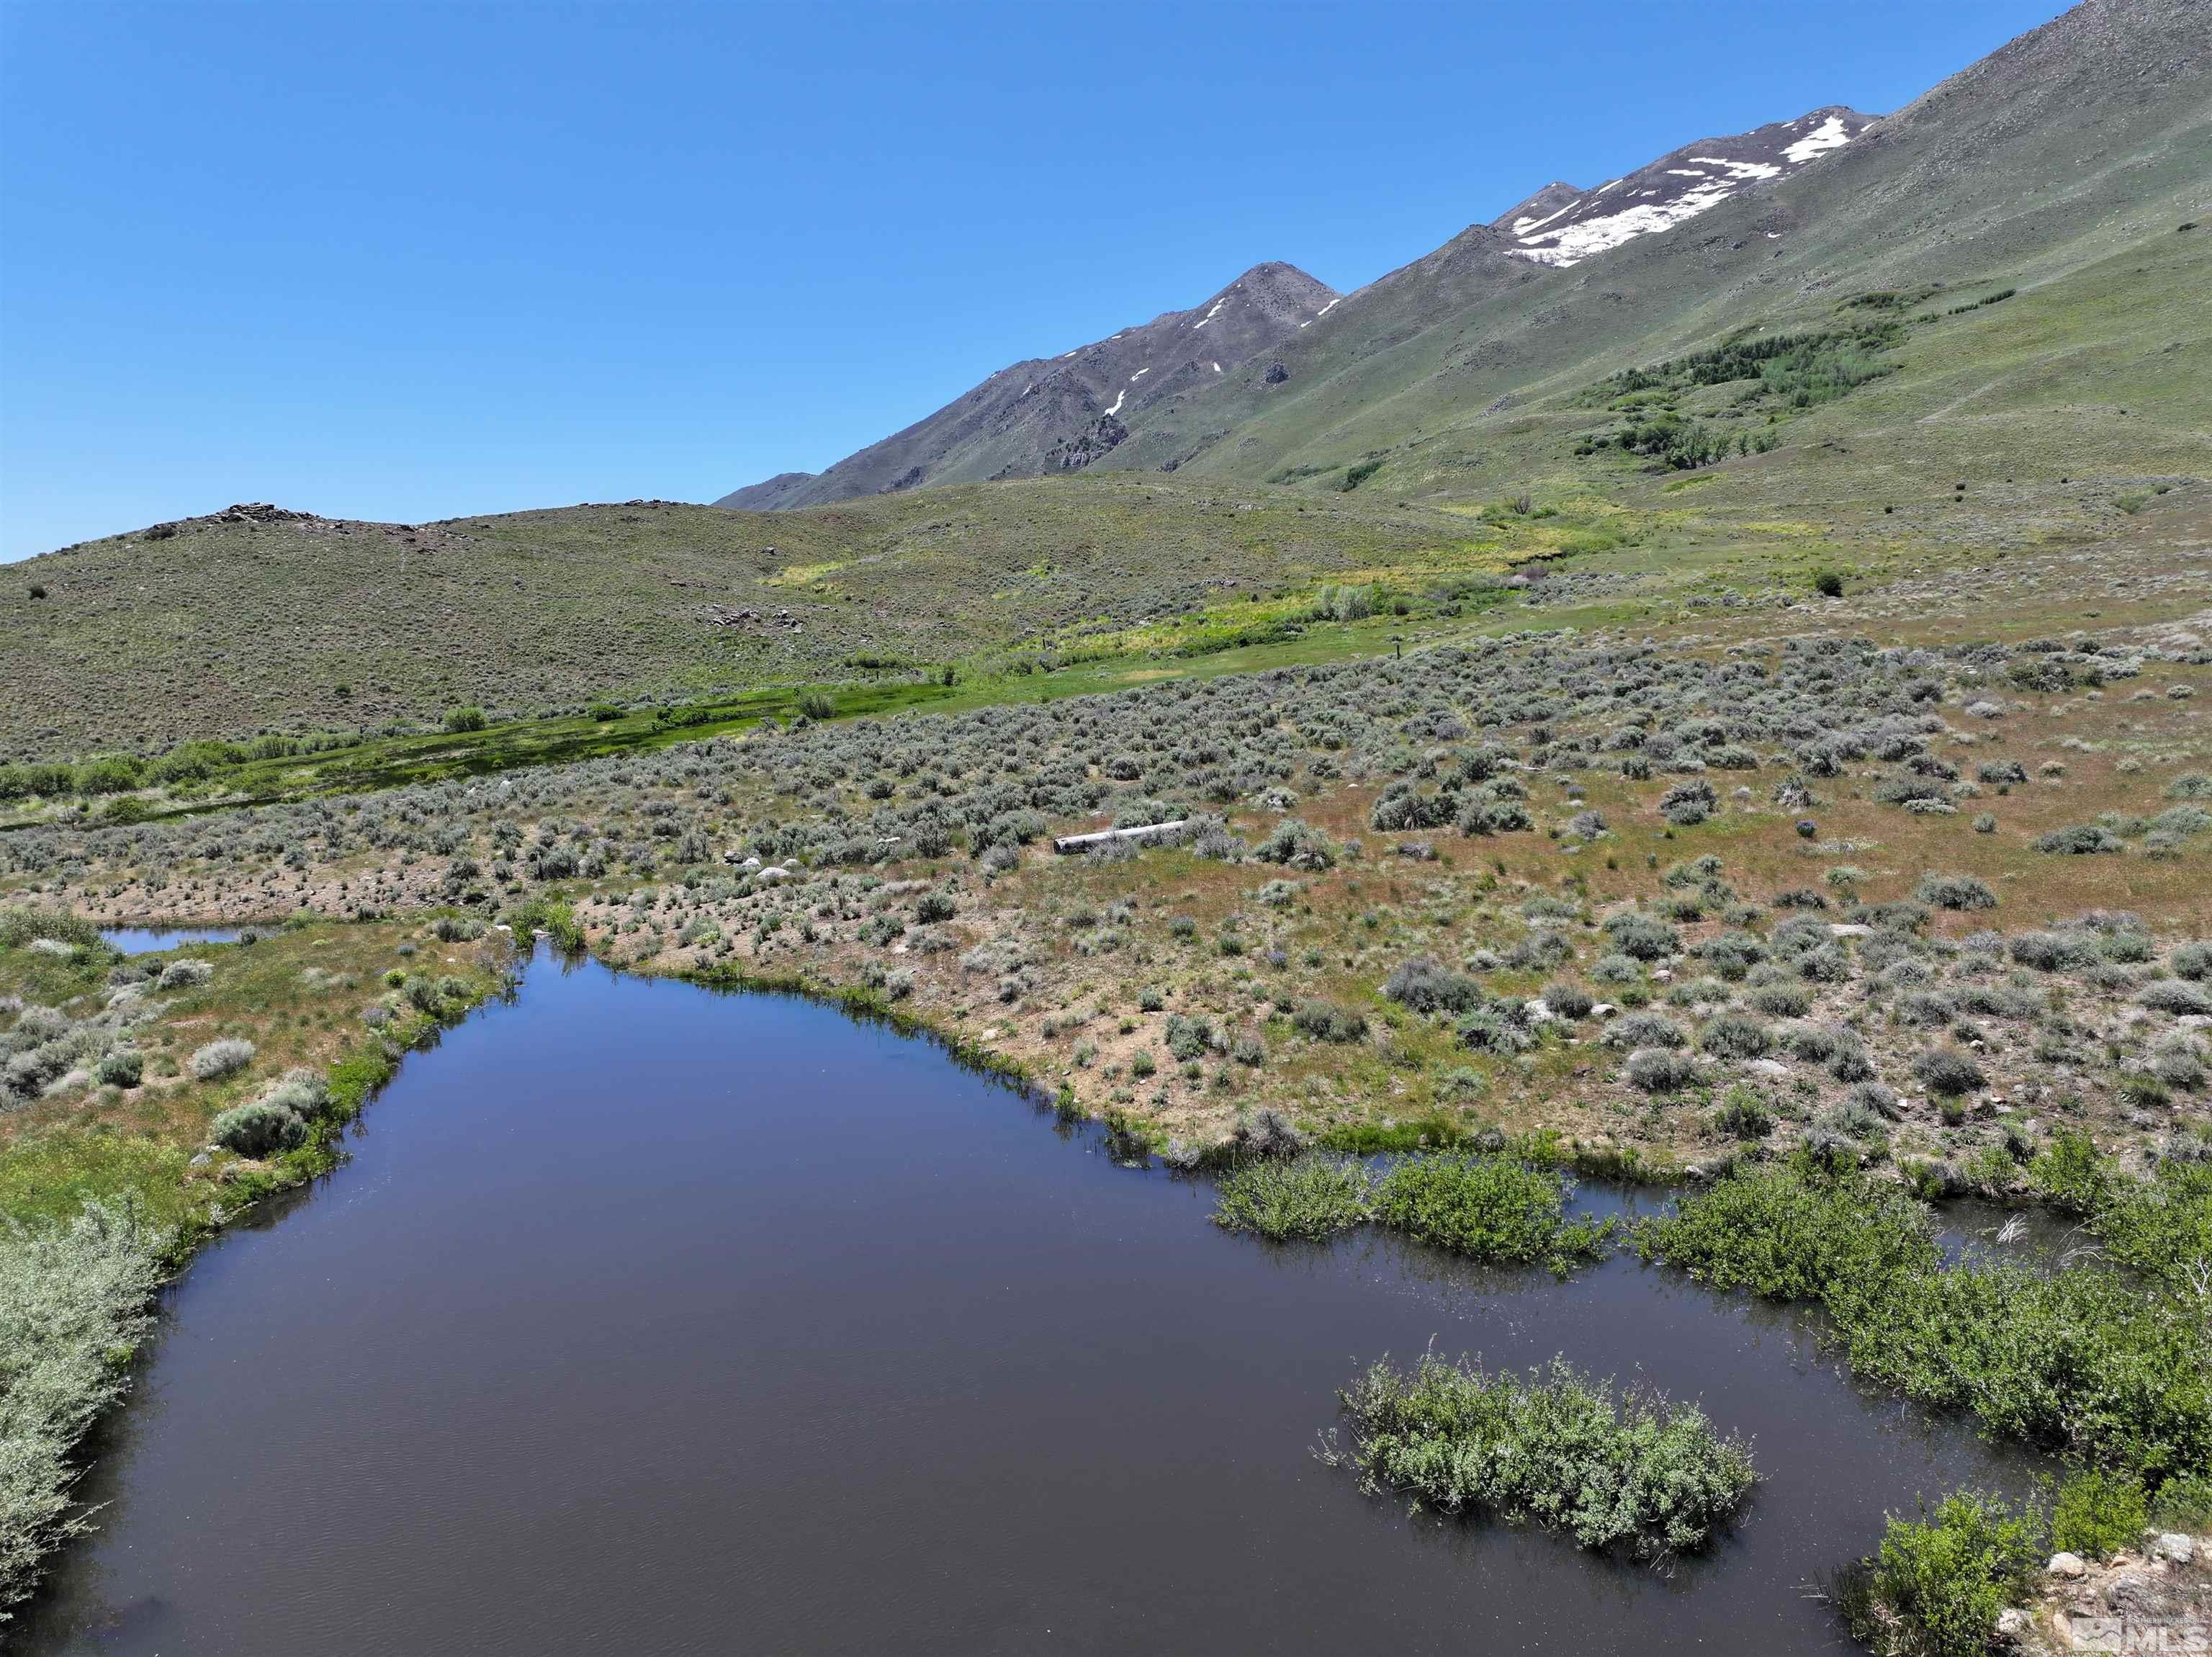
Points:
[(230, 628)]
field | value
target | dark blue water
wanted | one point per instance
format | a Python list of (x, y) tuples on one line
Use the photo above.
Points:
[(647, 1320)]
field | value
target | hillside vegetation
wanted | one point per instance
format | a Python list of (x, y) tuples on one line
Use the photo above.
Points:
[(244, 622)]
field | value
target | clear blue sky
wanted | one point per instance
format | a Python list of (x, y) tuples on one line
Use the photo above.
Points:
[(404, 262)]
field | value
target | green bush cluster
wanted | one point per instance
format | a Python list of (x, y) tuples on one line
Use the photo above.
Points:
[(1936, 1585), (1633, 1470), (1305, 1197), (74, 1299), (1487, 1207), (2080, 1359)]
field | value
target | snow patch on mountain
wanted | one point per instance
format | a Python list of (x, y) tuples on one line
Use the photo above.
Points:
[(1831, 134), (1675, 188)]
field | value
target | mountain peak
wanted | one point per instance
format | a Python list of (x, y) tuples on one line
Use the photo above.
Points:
[(1060, 413), (1561, 225)]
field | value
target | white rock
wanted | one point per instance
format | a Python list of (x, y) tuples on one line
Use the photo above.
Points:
[(1766, 1067), (1848, 930), (2175, 1545), (2068, 1565), (1537, 1012), (1602, 1009), (2012, 1623)]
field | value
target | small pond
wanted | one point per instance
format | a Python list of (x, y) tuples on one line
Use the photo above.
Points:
[(145, 941), (650, 1320)]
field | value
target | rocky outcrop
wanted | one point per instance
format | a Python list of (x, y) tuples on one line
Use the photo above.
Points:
[(2153, 1599)]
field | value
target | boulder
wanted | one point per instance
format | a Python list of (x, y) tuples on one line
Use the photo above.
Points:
[(2068, 1565)]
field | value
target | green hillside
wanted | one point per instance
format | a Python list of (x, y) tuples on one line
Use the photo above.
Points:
[(2077, 149), (231, 626)]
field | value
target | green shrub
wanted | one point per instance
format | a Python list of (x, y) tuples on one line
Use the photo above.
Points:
[(124, 1068), (1656, 1070), (1189, 1037), (1960, 891), (1306, 1197), (1936, 1585), (1742, 1115), (2098, 1513), (1487, 1207), (1641, 938), (1427, 986), (1325, 1021), (458, 720), (257, 1129), (187, 973), (2078, 1360), (1568, 1000), (1296, 845), (74, 1299), (221, 1058), (1735, 1035), (21, 925), (817, 705), (1632, 1470), (2183, 1504), (1950, 1072), (2082, 839)]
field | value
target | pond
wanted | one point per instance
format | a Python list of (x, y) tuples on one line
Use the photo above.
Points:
[(651, 1320), (145, 941)]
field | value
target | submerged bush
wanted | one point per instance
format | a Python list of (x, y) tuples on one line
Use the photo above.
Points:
[(2078, 1360), (1488, 1207), (1307, 1197), (1937, 1584), (1633, 1470)]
